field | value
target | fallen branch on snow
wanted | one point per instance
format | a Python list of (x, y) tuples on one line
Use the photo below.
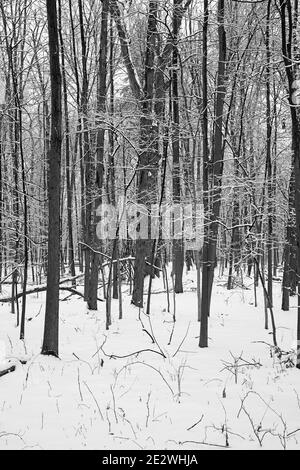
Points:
[(7, 371), (42, 288)]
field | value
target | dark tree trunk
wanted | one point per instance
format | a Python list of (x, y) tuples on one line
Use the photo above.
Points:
[(289, 269), (269, 163), (178, 247), (86, 158), (50, 342), (147, 173), (101, 108), (292, 72), (205, 288), (71, 259), (211, 233)]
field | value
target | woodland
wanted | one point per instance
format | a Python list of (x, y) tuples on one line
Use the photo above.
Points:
[(149, 224)]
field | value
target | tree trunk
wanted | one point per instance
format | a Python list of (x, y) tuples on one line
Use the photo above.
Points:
[(101, 108), (71, 259), (178, 247), (292, 72), (211, 232), (50, 341), (269, 163)]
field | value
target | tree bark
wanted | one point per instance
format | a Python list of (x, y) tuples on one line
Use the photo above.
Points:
[(211, 232), (51, 330), (71, 259), (290, 46), (178, 245), (101, 108)]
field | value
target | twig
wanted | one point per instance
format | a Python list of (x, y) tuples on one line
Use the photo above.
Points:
[(182, 340), (203, 443), (147, 365), (79, 386), (100, 412), (193, 425), (114, 356), (152, 339), (114, 403)]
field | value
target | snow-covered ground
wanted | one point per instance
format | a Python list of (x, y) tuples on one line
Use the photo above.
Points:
[(191, 399)]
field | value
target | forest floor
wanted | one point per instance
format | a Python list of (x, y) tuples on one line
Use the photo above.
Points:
[(237, 393)]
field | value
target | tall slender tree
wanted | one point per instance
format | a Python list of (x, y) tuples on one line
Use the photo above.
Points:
[(211, 233), (50, 342)]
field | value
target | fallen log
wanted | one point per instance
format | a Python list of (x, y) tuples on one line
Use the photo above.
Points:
[(7, 371), (42, 288), (34, 290)]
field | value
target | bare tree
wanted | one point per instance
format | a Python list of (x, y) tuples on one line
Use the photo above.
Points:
[(50, 342)]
